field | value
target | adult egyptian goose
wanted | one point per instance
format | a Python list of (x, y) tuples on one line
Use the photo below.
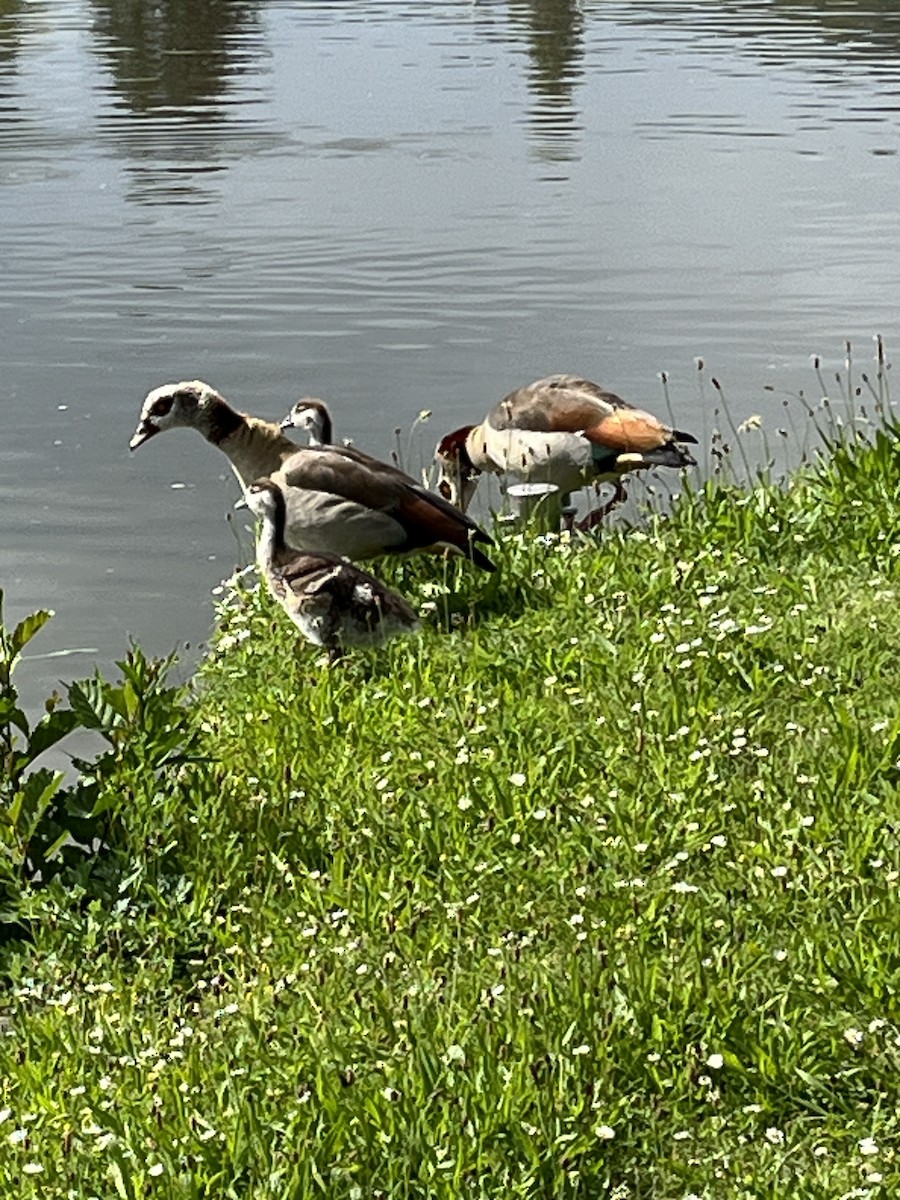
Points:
[(313, 417), (332, 603), (562, 430), (337, 500)]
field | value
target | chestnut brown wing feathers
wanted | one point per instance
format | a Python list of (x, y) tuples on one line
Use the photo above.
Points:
[(557, 404)]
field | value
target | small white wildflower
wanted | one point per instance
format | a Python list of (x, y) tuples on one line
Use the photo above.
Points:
[(576, 919), (779, 955), (540, 814), (18, 1135), (32, 1168), (775, 1136), (581, 1050), (156, 1170), (867, 1146), (718, 839), (716, 1062), (683, 888), (750, 423), (682, 1135), (606, 1133), (5, 1114), (779, 872), (517, 779), (854, 1037)]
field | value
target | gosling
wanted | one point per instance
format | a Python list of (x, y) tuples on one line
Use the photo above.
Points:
[(333, 603)]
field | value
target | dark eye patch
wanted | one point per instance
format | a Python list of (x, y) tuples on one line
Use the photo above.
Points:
[(162, 406)]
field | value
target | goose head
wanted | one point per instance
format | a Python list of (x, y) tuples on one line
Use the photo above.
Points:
[(458, 476), (262, 499), (312, 416), (191, 403)]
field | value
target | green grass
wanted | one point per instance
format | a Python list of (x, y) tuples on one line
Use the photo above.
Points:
[(593, 894)]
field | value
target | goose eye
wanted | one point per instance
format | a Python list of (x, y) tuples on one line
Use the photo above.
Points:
[(162, 406)]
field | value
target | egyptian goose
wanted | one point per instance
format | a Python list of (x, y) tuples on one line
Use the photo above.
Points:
[(332, 603), (337, 500), (562, 430), (312, 416)]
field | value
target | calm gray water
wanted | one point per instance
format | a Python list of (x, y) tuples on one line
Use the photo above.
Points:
[(398, 206)]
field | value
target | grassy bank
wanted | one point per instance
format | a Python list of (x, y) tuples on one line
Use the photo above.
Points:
[(593, 895)]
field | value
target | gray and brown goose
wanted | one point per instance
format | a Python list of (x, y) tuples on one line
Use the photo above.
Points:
[(562, 430), (333, 603), (337, 500)]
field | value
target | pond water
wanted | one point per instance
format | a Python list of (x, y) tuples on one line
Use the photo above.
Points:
[(401, 206)]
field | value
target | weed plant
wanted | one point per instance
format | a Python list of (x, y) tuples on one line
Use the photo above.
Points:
[(589, 891)]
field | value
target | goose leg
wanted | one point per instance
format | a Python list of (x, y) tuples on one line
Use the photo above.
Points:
[(568, 511), (599, 514)]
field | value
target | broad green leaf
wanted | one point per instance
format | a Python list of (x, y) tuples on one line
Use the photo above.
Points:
[(11, 714), (33, 799), (49, 730), (90, 703), (26, 629)]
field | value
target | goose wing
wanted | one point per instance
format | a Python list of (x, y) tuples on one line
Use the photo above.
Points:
[(557, 404), (569, 404), (425, 517)]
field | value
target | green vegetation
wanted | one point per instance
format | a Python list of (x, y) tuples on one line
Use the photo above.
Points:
[(594, 895)]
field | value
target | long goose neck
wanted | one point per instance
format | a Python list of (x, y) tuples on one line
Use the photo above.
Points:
[(476, 448), (254, 447), (266, 544), (270, 545), (326, 430)]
